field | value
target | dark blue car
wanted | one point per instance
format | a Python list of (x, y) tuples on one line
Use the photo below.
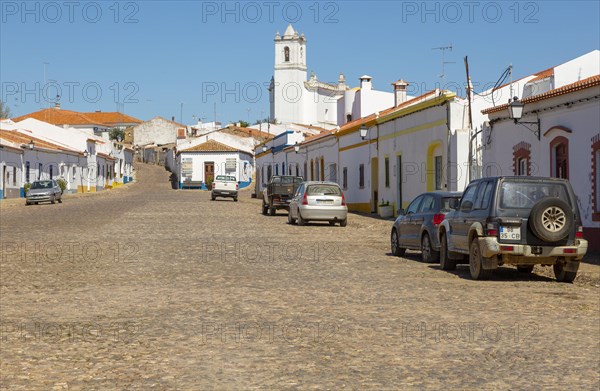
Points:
[(417, 227)]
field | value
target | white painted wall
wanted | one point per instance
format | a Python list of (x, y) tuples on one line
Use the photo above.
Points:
[(584, 121)]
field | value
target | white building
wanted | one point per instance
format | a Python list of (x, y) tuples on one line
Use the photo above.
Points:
[(560, 138), (39, 159), (157, 131), (294, 99), (198, 165)]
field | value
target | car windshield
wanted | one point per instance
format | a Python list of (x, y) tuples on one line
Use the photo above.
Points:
[(523, 195), (225, 178), (289, 180), (315, 190), (445, 204), (42, 185)]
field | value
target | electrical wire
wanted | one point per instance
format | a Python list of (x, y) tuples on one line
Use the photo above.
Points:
[(498, 83)]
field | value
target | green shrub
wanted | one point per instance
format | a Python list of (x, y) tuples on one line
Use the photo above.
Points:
[(26, 187), (209, 182), (62, 184)]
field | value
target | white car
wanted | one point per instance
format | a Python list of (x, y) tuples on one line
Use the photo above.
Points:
[(318, 201), (225, 186)]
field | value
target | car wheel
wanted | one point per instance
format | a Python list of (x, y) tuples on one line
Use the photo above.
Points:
[(562, 275), (525, 269), (551, 219), (428, 254), (300, 220), (27, 203), (265, 209), (212, 198), (445, 262), (235, 199), (396, 249), (331, 222), (290, 219), (272, 211), (476, 263), (344, 223), (60, 200)]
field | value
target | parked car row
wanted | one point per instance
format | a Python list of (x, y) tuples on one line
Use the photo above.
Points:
[(305, 200), (519, 221)]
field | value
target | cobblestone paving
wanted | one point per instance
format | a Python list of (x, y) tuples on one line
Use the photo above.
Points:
[(145, 287)]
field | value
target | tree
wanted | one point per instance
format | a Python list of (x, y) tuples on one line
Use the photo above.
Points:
[(4, 110), (243, 124), (117, 134)]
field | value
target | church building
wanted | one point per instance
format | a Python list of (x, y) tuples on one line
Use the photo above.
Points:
[(296, 99)]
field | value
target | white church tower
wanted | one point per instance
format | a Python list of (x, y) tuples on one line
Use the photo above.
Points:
[(287, 87)]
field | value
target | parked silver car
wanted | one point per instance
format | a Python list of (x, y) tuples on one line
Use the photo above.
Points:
[(318, 201), (417, 227), (44, 191)]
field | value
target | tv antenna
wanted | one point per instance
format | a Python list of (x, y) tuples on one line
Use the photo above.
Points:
[(443, 49)]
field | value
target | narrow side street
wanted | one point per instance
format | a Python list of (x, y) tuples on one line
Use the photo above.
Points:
[(145, 287)]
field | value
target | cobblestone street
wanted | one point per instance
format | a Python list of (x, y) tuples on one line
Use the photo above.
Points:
[(145, 287)]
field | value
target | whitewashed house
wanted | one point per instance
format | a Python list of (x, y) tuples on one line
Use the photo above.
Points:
[(561, 138), (11, 166), (200, 164), (157, 131), (39, 160)]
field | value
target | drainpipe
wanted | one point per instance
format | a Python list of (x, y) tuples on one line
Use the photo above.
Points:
[(448, 146)]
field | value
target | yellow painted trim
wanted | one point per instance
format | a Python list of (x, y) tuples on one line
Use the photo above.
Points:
[(430, 170), (413, 129), (357, 145), (364, 207), (446, 96)]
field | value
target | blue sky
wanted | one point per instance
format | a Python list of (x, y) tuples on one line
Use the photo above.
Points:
[(154, 55)]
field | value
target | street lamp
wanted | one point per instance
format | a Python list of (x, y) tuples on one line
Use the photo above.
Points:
[(31, 145), (363, 131), (85, 154), (264, 148), (296, 147), (515, 112)]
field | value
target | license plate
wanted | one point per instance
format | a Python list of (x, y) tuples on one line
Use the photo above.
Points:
[(326, 202), (510, 233)]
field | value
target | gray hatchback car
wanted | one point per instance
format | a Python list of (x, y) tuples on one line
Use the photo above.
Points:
[(44, 191), (417, 227)]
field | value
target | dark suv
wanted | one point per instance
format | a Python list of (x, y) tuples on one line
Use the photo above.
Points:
[(521, 221)]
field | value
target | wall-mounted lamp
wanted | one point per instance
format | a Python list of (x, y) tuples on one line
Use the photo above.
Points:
[(515, 112), (363, 131)]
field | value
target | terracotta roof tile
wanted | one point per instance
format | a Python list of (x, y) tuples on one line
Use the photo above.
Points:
[(21, 138), (112, 118), (61, 117), (210, 146), (578, 85)]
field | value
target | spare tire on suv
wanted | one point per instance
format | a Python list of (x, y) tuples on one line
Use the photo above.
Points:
[(551, 219)]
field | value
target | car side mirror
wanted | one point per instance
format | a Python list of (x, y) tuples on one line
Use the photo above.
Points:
[(466, 206), (401, 212), (453, 203)]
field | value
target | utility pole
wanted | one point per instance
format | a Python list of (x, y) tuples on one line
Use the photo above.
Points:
[(470, 119)]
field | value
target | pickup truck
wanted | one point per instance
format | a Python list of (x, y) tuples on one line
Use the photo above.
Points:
[(278, 193), (225, 186)]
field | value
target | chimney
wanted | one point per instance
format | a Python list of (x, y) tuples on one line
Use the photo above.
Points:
[(173, 118), (399, 92), (181, 133), (98, 111), (57, 104), (365, 82)]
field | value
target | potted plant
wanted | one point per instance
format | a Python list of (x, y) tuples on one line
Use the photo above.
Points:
[(385, 209)]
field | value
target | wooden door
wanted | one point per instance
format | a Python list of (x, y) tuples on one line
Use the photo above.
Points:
[(209, 171)]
